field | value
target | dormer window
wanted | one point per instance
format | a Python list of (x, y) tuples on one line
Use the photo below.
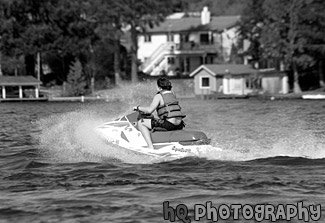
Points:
[(147, 38)]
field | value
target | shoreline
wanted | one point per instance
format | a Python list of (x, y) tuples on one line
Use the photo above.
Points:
[(103, 95), (290, 96)]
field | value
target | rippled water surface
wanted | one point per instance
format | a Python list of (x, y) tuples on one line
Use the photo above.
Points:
[(53, 168)]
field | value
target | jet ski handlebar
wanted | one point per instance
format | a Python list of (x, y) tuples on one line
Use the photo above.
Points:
[(142, 114)]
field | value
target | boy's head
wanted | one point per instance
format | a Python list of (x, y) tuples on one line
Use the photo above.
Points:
[(164, 83)]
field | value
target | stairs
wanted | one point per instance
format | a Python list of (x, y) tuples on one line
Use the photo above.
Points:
[(157, 57)]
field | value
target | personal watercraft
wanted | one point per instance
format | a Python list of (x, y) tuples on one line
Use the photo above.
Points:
[(124, 132)]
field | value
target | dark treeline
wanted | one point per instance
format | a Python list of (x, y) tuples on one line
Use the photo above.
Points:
[(290, 32), (69, 34), (66, 32)]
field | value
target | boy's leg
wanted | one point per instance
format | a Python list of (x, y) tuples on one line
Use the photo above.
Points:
[(144, 127)]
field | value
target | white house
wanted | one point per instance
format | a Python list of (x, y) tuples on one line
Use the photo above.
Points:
[(185, 41)]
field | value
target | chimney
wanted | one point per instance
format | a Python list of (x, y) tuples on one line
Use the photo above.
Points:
[(205, 16)]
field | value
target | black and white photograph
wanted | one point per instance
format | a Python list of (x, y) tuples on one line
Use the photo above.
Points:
[(158, 111)]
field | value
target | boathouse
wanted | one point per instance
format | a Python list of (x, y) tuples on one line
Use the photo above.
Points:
[(19, 88)]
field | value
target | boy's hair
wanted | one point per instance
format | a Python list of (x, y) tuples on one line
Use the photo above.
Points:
[(164, 83)]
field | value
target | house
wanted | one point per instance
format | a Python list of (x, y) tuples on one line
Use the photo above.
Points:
[(185, 41), (237, 79), (16, 87)]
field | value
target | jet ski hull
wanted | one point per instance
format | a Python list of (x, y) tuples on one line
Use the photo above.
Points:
[(124, 133), (182, 136)]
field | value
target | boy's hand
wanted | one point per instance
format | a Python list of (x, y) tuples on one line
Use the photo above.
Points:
[(136, 108)]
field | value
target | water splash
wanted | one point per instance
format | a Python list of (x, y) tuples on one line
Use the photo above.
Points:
[(70, 137)]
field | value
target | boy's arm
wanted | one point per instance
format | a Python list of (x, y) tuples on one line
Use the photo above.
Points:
[(154, 104)]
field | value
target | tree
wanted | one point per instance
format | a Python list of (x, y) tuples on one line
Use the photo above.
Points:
[(289, 33), (76, 80), (138, 15), (108, 27), (11, 47), (251, 28), (217, 7), (45, 26), (314, 21)]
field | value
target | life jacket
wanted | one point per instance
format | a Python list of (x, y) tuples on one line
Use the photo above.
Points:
[(171, 108)]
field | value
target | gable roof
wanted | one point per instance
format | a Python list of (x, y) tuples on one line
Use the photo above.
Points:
[(217, 23), (224, 69), (18, 80)]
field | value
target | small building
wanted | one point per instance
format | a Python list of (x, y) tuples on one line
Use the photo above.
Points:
[(19, 87), (274, 81), (237, 79)]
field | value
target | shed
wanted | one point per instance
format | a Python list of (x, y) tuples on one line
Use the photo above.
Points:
[(21, 84), (274, 81), (223, 78)]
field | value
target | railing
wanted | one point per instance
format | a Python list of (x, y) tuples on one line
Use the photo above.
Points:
[(159, 65), (192, 46)]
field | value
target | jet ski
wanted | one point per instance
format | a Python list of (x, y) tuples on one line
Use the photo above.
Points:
[(124, 132)]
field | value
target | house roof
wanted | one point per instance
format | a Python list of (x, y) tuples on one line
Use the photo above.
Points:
[(224, 69), (18, 80), (217, 23)]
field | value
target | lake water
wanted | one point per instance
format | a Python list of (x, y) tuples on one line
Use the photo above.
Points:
[(53, 168)]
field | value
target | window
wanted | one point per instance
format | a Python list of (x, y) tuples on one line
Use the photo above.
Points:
[(206, 60), (205, 82), (210, 59), (171, 60), (187, 64), (185, 38), (147, 38), (170, 37), (204, 38)]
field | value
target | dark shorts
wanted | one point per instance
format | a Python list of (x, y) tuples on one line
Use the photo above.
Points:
[(164, 125)]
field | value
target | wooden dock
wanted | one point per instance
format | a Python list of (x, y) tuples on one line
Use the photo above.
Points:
[(41, 99), (55, 99), (279, 97), (223, 96), (76, 99)]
